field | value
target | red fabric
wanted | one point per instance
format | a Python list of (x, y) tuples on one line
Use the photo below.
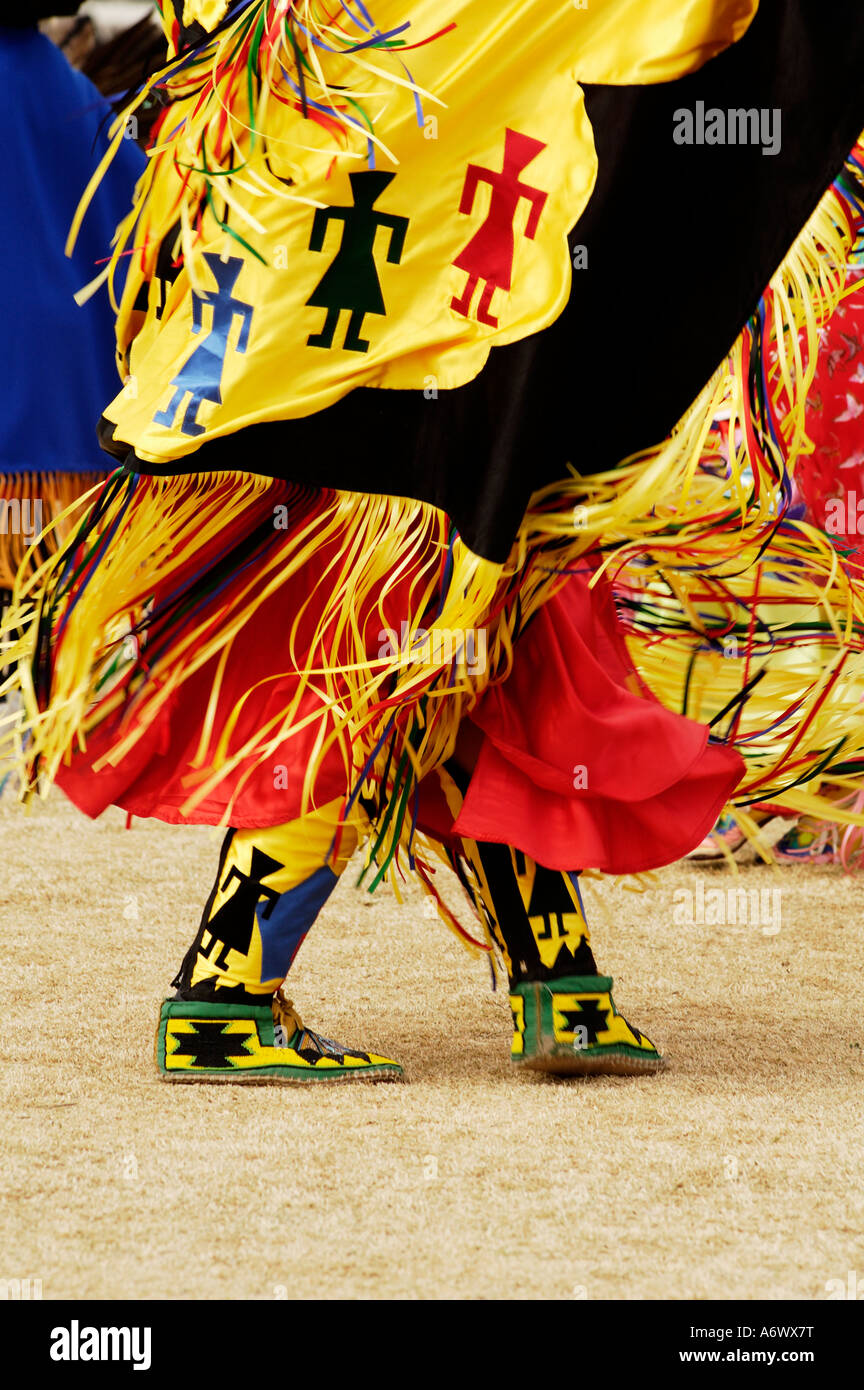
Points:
[(654, 784), (650, 786), (835, 423), (157, 777)]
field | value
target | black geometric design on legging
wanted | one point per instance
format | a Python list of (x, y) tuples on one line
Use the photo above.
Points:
[(232, 926), (550, 899)]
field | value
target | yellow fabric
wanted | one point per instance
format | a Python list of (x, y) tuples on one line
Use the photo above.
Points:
[(517, 1008), (207, 13), (551, 932), (651, 511), (303, 845), (508, 66), (560, 929), (180, 1056), (565, 1021)]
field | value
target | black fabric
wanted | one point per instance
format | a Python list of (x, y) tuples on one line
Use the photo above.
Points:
[(549, 899), (5, 600), (681, 242), (25, 14), (182, 981)]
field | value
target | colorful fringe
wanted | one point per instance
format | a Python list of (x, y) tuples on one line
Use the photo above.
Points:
[(39, 499), (332, 70), (700, 549), (91, 639), (758, 628)]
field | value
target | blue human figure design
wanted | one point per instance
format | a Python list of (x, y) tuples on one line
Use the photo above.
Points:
[(201, 375)]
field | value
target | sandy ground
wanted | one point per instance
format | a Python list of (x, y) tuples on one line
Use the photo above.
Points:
[(737, 1174)]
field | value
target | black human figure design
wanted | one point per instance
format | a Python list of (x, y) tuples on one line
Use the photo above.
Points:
[(351, 282), (201, 373), (232, 926)]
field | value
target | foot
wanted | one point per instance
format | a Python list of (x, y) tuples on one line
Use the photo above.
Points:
[(570, 1027), (807, 844), (267, 1042), (726, 832), (772, 824)]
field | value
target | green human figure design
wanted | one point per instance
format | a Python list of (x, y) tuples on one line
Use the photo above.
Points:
[(352, 281)]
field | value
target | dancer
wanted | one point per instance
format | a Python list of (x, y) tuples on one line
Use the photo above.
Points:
[(830, 482), (215, 643), (728, 625)]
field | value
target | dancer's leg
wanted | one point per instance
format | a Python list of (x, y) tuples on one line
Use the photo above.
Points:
[(564, 1016), (226, 1021)]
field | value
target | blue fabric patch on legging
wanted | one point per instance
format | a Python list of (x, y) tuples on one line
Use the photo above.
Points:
[(289, 920), (573, 876)]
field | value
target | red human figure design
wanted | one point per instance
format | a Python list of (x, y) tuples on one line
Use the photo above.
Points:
[(489, 254)]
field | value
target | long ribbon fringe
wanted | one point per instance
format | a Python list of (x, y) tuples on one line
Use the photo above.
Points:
[(694, 542)]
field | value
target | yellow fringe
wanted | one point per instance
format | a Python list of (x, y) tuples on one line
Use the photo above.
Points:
[(379, 539), (797, 578), (656, 514), (219, 123), (56, 493)]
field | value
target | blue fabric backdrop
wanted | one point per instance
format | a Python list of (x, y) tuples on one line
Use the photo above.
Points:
[(57, 369)]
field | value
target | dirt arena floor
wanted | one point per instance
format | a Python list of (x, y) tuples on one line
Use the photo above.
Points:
[(736, 1174)]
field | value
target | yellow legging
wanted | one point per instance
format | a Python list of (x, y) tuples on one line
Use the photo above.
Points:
[(272, 884), (269, 889)]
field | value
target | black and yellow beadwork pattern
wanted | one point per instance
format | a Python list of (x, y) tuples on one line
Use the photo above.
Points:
[(201, 1041), (571, 1027)]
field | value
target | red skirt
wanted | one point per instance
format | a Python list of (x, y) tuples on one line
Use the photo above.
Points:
[(580, 767)]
